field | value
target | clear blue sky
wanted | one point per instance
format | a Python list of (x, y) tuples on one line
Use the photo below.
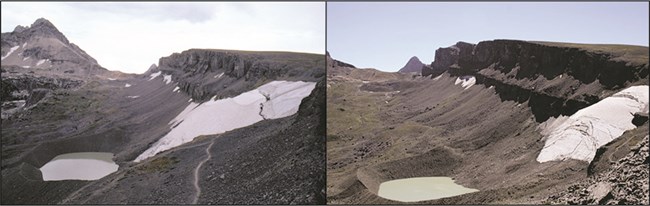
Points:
[(384, 35)]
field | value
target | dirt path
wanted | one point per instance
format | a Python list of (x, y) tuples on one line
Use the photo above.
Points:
[(196, 173)]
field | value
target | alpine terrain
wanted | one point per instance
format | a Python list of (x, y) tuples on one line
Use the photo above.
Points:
[(501, 121), (203, 126)]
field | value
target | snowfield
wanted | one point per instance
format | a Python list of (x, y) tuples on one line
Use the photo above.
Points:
[(579, 135), (41, 61), (465, 81), (284, 97), (127, 85), (10, 51), (167, 79), (276, 99), (154, 75)]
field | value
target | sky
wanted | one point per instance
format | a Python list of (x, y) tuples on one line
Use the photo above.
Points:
[(129, 37), (384, 35)]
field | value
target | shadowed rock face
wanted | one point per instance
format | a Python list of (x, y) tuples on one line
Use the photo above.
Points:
[(413, 65), (555, 78)]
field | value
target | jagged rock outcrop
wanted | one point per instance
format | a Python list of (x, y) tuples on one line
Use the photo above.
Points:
[(625, 183), (205, 73), (413, 65), (555, 78)]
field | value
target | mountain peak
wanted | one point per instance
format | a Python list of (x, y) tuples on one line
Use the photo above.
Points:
[(42, 45), (40, 28), (413, 65), (42, 22)]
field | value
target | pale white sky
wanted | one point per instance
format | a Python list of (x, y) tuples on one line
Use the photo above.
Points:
[(129, 37)]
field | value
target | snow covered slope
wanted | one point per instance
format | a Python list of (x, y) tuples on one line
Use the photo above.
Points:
[(276, 99), (581, 134), (284, 97)]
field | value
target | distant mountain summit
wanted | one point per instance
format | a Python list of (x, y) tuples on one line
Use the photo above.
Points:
[(413, 65), (43, 46)]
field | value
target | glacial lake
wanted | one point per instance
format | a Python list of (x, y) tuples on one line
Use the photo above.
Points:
[(421, 188), (79, 166)]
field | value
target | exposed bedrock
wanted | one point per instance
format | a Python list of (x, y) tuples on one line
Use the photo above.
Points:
[(13, 87), (555, 78), (204, 73)]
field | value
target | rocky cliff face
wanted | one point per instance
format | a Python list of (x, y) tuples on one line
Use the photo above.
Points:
[(204, 73), (413, 65), (555, 78)]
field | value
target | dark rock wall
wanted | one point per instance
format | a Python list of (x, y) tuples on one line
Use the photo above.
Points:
[(514, 68), (205, 73)]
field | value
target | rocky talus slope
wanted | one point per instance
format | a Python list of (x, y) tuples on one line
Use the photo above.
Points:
[(625, 183)]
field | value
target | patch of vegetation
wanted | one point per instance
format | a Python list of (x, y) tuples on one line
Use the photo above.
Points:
[(160, 164)]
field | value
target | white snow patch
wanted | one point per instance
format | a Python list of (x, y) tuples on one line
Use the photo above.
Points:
[(154, 75), (127, 85), (219, 116), (10, 51), (466, 81), (25, 44), (41, 62), (132, 97), (167, 79), (25, 67), (112, 79), (438, 77), (581, 134), (218, 75), (180, 117), (285, 97), (175, 89), (190, 100), (25, 59)]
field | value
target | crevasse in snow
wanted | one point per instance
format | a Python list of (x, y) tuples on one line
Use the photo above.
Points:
[(581, 134), (276, 99)]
